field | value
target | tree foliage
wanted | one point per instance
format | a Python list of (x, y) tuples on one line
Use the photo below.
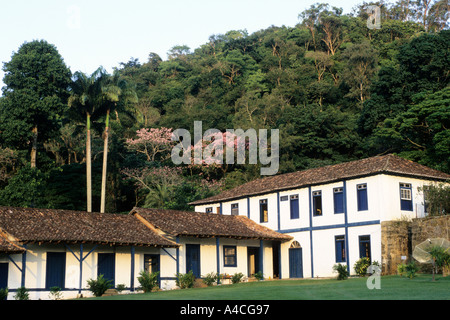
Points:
[(336, 89)]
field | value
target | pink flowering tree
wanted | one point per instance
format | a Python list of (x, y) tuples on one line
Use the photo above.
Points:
[(217, 149), (152, 142)]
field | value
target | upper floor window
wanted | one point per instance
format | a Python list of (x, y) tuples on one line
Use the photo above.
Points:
[(235, 209), (317, 203), (294, 207), (406, 197), (361, 190), (263, 213), (338, 198)]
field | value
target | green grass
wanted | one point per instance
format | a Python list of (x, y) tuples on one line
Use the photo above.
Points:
[(392, 288)]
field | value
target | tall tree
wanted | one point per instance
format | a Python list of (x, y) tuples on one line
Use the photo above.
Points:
[(115, 93), (85, 102), (35, 95)]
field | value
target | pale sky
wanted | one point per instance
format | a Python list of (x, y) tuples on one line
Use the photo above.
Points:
[(93, 33)]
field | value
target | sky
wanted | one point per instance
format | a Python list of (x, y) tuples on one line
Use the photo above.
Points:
[(93, 33)]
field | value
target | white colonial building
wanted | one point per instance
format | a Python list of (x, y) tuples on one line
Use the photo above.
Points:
[(333, 213), (295, 225)]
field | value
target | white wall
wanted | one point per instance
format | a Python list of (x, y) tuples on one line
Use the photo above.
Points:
[(383, 193), (36, 268)]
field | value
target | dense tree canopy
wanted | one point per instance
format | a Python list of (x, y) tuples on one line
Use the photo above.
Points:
[(336, 89)]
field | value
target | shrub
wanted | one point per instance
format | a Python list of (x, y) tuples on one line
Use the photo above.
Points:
[(55, 293), (259, 275), (99, 286), (22, 294), (185, 280), (342, 271), (361, 266), (401, 269), (210, 278), (120, 288), (3, 294), (148, 280), (237, 277), (411, 269)]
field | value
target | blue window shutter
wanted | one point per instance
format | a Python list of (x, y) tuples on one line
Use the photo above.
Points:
[(56, 270), (362, 198), (106, 266), (338, 200), (294, 209), (4, 275)]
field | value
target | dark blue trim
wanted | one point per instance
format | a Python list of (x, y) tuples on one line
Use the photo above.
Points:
[(248, 207), (278, 210), (221, 208), (261, 257), (24, 266), (346, 226), (218, 258), (310, 228), (177, 240), (164, 249), (132, 269), (334, 226)]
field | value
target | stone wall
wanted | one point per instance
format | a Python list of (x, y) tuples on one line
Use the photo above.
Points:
[(398, 239)]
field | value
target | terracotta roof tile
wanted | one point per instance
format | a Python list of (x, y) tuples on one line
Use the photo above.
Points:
[(196, 224), (9, 247), (388, 164), (29, 225)]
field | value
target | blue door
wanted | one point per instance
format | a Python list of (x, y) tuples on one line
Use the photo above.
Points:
[(56, 270), (4, 275), (193, 259), (107, 266), (295, 263), (152, 264)]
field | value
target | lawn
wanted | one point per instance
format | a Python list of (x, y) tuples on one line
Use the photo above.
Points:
[(392, 288)]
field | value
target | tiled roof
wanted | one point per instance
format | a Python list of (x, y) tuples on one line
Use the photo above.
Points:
[(9, 247), (196, 224), (29, 225), (388, 164)]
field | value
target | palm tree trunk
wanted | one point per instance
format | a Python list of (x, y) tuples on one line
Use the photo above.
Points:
[(105, 163), (88, 165), (34, 147)]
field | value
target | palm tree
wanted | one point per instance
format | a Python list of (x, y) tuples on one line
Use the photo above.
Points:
[(116, 93), (85, 102)]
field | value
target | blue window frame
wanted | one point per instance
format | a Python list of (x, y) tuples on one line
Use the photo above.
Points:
[(364, 247), (317, 203), (338, 198), (361, 190), (263, 213), (209, 210), (340, 248), (295, 210), (406, 197), (229, 256)]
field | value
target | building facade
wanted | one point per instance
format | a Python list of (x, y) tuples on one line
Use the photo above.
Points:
[(333, 213)]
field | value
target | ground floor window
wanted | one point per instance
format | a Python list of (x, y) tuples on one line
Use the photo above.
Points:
[(229, 256), (340, 248), (364, 247)]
